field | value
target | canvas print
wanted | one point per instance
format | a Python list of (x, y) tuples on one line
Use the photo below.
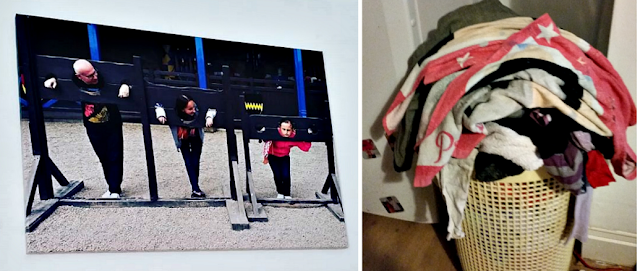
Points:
[(142, 141)]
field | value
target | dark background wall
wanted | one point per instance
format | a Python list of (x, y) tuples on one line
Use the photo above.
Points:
[(272, 68)]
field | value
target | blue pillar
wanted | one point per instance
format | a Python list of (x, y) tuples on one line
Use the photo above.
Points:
[(302, 104), (202, 74), (93, 41)]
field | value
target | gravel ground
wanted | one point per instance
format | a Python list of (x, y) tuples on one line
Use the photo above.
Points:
[(85, 229)]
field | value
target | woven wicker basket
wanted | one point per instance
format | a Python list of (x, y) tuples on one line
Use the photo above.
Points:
[(517, 223)]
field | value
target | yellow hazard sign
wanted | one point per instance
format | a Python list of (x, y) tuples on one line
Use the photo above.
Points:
[(253, 106)]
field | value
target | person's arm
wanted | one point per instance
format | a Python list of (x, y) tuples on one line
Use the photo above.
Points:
[(304, 146), (160, 114), (265, 152)]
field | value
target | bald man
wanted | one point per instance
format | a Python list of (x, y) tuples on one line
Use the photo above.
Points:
[(102, 122)]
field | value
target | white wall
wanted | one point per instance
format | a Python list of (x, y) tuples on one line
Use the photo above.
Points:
[(330, 26)]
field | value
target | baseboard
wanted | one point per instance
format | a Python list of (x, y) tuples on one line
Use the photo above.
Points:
[(611, 246)]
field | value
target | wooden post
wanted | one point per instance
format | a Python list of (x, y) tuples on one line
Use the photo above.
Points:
[(30, 189), (245, 140), (55, 171), (36, 118), (232, 147), (235, 208), (257, 212), (146, 128), (330, 156), (332, 170)]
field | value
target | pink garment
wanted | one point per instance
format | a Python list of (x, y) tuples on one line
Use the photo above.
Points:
[(619, 112), (282, 148), (597, 170), (438, 69)]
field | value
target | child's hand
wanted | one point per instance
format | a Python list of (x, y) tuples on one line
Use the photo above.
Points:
[(160, 114), (265, 161)]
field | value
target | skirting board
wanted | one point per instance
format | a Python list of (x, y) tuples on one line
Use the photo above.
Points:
[(611, 246)]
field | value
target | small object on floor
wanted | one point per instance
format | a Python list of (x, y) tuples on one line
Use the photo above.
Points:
[(287, 197), (198, 194), (109, 195), (391, 204), (369, 149), (280, 196)]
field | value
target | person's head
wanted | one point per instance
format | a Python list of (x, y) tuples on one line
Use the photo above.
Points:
[(185, 107), (286, 128), (85, 72)]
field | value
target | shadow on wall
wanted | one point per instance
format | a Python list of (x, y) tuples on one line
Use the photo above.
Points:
[(589, 19), (424, 201)]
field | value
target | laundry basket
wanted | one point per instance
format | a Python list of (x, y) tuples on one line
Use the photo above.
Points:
[(517, 223)]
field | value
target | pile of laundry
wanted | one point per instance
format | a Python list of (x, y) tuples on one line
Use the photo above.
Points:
[(491, 93)]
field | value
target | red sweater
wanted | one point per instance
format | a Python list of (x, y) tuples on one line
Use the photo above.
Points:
[(282, 148)]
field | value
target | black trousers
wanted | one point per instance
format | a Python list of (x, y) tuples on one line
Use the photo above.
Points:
[(191, 149), (107, 142), (281, 167)]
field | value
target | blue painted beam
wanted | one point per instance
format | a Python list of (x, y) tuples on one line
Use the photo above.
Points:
[(49, 103), (302, 101), (93, 41), (202, 73)]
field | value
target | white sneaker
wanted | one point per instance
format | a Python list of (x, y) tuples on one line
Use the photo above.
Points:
[(280, 196), (287, 197), (109, 195)]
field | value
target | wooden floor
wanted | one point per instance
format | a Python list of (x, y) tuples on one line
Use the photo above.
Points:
[(391, 244)]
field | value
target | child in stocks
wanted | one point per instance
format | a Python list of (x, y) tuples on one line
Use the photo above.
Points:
[(188, 140), (276, 154)]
